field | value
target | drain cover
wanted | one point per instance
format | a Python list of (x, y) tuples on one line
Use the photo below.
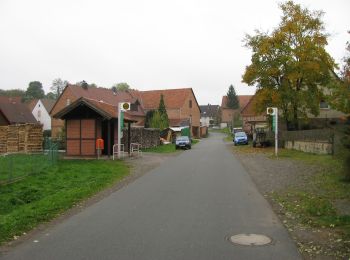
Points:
[(250, 240)]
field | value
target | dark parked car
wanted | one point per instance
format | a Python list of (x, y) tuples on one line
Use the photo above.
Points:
[(183, 142), (240, 138)]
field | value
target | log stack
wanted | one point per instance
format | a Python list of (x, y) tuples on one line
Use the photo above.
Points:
[(21, 138)]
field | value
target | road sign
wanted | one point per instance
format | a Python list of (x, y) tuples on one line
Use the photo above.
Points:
[(273, 111)]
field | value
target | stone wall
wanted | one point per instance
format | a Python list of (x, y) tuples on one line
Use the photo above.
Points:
[(147, 137), (309, 147), (21, 138)]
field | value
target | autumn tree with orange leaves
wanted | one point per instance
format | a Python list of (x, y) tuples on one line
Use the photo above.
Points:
[(290, 66)]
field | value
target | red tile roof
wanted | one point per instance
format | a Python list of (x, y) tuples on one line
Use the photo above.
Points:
[(107, 98), (32, 103), (48, 103), (243, 101), (179, 122), (250, 108), (15, 111), (173, 98), (104, 109)]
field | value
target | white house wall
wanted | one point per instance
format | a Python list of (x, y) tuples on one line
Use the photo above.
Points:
[(42, 116)]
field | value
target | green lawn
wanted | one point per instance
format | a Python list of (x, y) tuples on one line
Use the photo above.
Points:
[(316, 202), (17, 165), (42, 196), (166, 148)]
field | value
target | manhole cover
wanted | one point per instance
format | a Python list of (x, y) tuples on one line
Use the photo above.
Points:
[(250, 240)]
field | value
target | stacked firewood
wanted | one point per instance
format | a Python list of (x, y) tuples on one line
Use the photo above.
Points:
[(21, 138)]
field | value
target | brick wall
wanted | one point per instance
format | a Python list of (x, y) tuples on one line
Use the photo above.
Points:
[(21, 138)]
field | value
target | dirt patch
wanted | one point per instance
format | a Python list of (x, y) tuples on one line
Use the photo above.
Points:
[(138, 167), (274, 176)]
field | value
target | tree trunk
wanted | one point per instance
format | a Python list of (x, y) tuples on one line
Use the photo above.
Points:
[(295, 117)]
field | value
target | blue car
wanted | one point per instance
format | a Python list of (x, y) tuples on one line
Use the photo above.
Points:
[(240, 138), (183, 142)]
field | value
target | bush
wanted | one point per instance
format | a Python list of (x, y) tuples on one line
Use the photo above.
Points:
[(47, 133)]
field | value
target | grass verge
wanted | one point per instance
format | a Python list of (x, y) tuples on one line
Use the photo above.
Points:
[(41, 197), (166, 148), (321, 205)]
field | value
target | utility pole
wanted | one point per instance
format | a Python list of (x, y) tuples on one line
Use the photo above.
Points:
[(122, 107)]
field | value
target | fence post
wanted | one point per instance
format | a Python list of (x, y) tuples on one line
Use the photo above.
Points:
[(333, 143)]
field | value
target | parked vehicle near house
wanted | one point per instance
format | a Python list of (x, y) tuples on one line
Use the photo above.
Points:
[(237, 129), (240, 138), (183, 142), (259, 137)]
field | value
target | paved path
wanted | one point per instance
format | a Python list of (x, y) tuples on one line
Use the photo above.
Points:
[(184, 209)]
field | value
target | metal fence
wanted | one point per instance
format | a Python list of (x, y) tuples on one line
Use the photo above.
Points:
[(16, 166)]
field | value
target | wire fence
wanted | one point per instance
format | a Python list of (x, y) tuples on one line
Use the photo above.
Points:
[(16, 166)]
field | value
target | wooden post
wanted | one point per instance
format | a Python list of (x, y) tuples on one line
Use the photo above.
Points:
[(129, 138), (109, 138)]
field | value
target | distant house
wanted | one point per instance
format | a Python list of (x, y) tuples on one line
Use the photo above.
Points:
[(90, 113), (252, 119), (208, 114), (13, 111), (181, 105), (41, 111), (227, 113)]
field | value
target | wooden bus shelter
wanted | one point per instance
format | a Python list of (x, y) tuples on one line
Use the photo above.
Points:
[(87, 120)]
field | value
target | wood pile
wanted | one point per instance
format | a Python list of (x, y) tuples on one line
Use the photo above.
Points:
[(12, 139), (3, 139), (34, 138), (21, 138)]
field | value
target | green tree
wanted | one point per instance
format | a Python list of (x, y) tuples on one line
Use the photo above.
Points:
[(34, 91), (148, 118), (121, 86), (159, 118), (57, 87), (12, 93), (51, 95), (291, 65), (341, 93), (232, 99)]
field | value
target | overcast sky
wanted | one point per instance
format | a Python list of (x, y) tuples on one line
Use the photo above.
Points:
[(151, 44)]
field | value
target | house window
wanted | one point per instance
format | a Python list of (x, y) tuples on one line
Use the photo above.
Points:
[(190, 103), (324, 104), (39, 113), (68, 102)]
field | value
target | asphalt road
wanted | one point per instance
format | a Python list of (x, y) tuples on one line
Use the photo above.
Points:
[(185, 209)]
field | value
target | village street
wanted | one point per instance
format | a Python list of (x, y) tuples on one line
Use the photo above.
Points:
[(187, 208)]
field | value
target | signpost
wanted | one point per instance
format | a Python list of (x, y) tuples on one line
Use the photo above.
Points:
[(273, 111), (122, 107)]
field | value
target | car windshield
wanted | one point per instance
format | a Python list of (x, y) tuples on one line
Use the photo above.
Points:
[(240, 134), (182, 138)]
